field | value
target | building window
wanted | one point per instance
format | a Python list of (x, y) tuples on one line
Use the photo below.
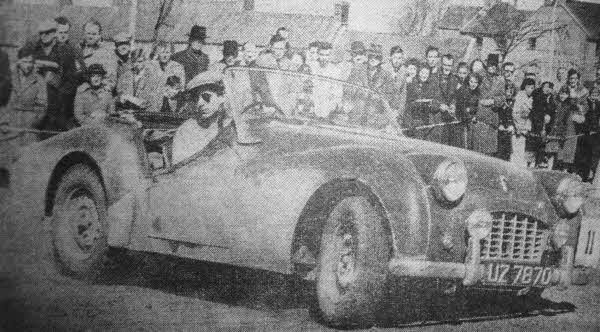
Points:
[(479, 42), (532, 44), (248, 4), (342, 12)]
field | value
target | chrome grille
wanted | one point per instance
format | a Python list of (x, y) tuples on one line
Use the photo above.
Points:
[(516, 238)]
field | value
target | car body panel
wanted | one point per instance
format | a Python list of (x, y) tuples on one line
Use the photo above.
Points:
[(241, 203)]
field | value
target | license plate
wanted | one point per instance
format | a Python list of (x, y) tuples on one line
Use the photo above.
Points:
[(516, 274)]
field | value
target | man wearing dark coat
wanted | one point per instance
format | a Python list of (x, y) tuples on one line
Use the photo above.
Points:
[(57, 63), (448, 82), (193, 60), (542, 117), (492, 99)]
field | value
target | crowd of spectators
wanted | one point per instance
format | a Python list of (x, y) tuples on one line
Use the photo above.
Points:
[(481, 105)]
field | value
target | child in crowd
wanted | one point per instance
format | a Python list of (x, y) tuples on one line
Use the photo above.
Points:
[(522, 108), (93, 102)]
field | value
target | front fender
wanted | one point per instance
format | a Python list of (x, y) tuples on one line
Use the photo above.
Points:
[(392, 179), (36, 173)]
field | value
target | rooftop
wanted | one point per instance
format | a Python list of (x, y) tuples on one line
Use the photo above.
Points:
[(493, 21), (457, 16), (224, 21)]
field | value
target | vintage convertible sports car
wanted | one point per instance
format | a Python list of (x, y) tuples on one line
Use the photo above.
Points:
[(301, 175)]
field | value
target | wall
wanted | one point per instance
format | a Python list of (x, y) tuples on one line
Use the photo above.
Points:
[(365, 15), (520, 4), (314, 7)]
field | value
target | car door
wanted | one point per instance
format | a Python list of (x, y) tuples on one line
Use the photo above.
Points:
[(191, 202)]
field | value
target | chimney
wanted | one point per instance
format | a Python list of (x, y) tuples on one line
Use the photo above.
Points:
[(248, 4), (342, 12)]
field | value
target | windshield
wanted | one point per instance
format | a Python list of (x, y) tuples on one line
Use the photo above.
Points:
[(298, 96)]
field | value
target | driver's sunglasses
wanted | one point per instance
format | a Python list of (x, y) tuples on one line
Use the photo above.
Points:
[(47, 32), (509, 71)]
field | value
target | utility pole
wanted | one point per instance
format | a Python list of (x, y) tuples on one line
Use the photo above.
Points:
[(554, 36), (132, 21)]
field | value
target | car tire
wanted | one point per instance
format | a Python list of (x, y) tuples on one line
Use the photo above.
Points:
[(352, 273), (79, 227)]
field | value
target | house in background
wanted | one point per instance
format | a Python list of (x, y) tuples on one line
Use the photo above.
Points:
[(490, 22), (571, 37), (337, 21)]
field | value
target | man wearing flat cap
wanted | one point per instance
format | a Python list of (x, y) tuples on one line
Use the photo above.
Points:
[(357, 68), (57, 64), (93, 102), (379, 79), (123, 57)]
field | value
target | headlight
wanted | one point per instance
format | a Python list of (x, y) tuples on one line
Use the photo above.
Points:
[(560, 234), (450, 181), (569, 195), (479, 224)]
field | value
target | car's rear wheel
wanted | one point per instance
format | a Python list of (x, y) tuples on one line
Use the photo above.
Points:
[(352, 265), (79, 223)]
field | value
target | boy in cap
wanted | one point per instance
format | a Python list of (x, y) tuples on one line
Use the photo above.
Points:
[(93, 102)]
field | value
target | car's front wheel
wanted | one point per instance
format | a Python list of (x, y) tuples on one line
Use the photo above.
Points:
[(79, 223), (352, 264)]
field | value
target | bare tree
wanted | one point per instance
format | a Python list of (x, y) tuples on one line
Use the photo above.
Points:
[(419, 17), (519, 30)]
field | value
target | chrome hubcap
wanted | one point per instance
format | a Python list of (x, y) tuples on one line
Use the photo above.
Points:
[(83, 217), (346, 263)]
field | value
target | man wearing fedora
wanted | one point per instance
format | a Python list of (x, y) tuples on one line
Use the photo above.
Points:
[(193, 60), (215, 71)]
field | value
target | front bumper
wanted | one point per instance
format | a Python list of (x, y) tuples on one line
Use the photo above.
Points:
[(471, 272)]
